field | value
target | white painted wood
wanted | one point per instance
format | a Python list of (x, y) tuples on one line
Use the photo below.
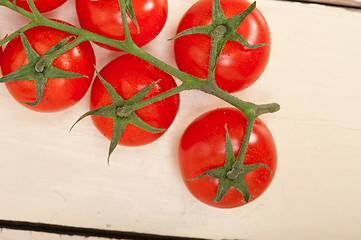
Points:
[(52, 176), (8, 234), (345, 3)]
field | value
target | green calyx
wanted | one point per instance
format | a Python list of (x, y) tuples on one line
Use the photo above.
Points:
[(39, 69), (222, 30), (130, 11), (226, 174), (121, 112)]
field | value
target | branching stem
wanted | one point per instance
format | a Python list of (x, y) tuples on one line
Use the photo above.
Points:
[(126, 110)]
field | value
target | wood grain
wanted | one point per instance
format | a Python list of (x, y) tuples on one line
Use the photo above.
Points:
[(356, 4), (51, 176)]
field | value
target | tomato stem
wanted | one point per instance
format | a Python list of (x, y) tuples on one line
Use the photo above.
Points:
[(12, 6), (47, 60), (216, 45), (128, 109), (16, 33), (36, 13), (238, 165), (128, 37)]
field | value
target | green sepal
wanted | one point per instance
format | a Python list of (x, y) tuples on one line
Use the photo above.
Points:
[(234, 22), (206, 30), (250, 167), (235, 36), (37, 71), (129, 9), (114, 96), (53, 72), (31, 54), (59, 45), (44, 60), (218, 16), (241, 185), (120, 119), (221, 172), (119, 125), (137, 121), (222, 30), (41, 79), (225, 184), (40, 87), (25, 72), (104, 111), (141, 94)]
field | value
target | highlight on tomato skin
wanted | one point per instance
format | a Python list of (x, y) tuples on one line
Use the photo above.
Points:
[(41, 5), (203, 147), (59, 93), (129, 74), (238, 67), (104, 17)]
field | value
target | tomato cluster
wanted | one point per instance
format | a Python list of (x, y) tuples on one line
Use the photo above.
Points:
[(210, 143)]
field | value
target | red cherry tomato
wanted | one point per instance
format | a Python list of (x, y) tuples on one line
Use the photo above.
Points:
[(238, 67), (104, 17), (41, 5), (128, 75), (202, 147), (60, 93)]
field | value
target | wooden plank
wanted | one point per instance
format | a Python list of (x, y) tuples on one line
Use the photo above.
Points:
[(341, 3), (45, 231), (51, 176), (9, 234)]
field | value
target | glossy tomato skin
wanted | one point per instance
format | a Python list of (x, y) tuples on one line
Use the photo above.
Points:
[(238, 67), (60, 93), (41, 5), (202, 147), (1, 54), (128, 75), (104, 17)]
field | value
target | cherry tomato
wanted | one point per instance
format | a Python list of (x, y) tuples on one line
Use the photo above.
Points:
[(238, 67), (104, 17), (41, 5), (202, 147), (59, 93), (128, 75)]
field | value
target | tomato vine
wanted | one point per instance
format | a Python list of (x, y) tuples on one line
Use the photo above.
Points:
[(220, 30)]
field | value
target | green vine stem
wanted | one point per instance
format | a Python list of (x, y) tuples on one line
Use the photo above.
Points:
[(16, 33), (189, 82), (47, 59), (125, 110)]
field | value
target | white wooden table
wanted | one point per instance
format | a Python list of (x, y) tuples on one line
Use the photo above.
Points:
[(61, 179)]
